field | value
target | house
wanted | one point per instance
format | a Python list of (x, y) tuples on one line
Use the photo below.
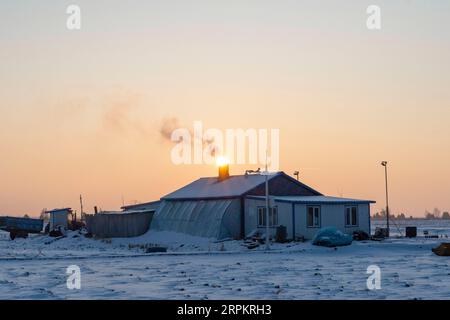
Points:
[(234, 206)]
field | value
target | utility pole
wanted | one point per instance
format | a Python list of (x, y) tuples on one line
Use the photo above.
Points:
[(384, 164), (81, 208)]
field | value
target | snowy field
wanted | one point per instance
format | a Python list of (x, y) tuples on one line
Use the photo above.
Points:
[(196, 268)]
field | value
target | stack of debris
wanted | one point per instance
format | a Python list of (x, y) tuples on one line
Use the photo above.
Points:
[(442, 250)]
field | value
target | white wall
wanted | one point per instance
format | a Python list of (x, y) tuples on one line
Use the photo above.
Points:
[(251, 216), (58, 219), (331, 215)]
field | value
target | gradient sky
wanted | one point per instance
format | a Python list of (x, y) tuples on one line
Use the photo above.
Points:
[(81, 111)]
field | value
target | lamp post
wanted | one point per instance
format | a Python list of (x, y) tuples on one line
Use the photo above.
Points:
[(267, 210), (384, 164), (267, 205)]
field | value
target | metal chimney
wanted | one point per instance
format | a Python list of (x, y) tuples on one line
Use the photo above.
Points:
[(224, 172)]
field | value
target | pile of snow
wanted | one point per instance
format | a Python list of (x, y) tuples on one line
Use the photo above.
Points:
[(179, 242)]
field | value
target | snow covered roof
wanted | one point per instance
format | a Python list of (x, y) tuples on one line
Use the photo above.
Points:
[(315, 199), (121, 212), (142, 206), (62, 210), (232, 187)]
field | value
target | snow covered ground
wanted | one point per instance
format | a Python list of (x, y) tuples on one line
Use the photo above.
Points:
[(198, 268)]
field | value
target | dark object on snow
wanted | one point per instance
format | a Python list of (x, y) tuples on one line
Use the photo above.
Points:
[(253, 245), (55, 233), (155, 249), (18, 234), (281, 234), (442, 250), (88, 235), (255, 237), (76, 225), (331, 237), (20, 227), (411, 232), (381, 233), (427, 235), (360, 235)]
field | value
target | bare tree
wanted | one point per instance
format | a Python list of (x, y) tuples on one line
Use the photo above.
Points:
[(428, 215), (436, 213), (43, 215)]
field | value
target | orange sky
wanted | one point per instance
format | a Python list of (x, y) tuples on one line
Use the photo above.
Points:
[(81, 110)]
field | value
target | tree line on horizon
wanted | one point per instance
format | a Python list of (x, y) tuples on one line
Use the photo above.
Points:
[(436, 214)]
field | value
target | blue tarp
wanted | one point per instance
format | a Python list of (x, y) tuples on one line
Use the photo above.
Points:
[(331, 237)]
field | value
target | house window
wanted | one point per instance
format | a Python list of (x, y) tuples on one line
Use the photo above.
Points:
[(273, 216), (313, 217), (351, 216)]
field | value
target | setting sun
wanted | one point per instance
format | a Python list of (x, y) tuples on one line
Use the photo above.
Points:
[(222, 161)]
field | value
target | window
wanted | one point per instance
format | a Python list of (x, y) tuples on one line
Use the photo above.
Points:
[(313, 217), (273, 216), (351, 216)]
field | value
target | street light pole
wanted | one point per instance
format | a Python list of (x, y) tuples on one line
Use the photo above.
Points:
[(267, 206), (384, 164)]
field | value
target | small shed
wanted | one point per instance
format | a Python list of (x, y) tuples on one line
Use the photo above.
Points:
[(59, 217)]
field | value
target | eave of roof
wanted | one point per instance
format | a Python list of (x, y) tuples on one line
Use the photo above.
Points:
[(58, 210), (314, 200), (130, 206)]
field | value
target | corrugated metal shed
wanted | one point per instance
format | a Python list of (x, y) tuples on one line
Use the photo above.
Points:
[(203, 218)]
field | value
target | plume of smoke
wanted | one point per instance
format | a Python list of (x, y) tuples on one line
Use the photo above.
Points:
[(210, 145), (118, 116), (170, 124)]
